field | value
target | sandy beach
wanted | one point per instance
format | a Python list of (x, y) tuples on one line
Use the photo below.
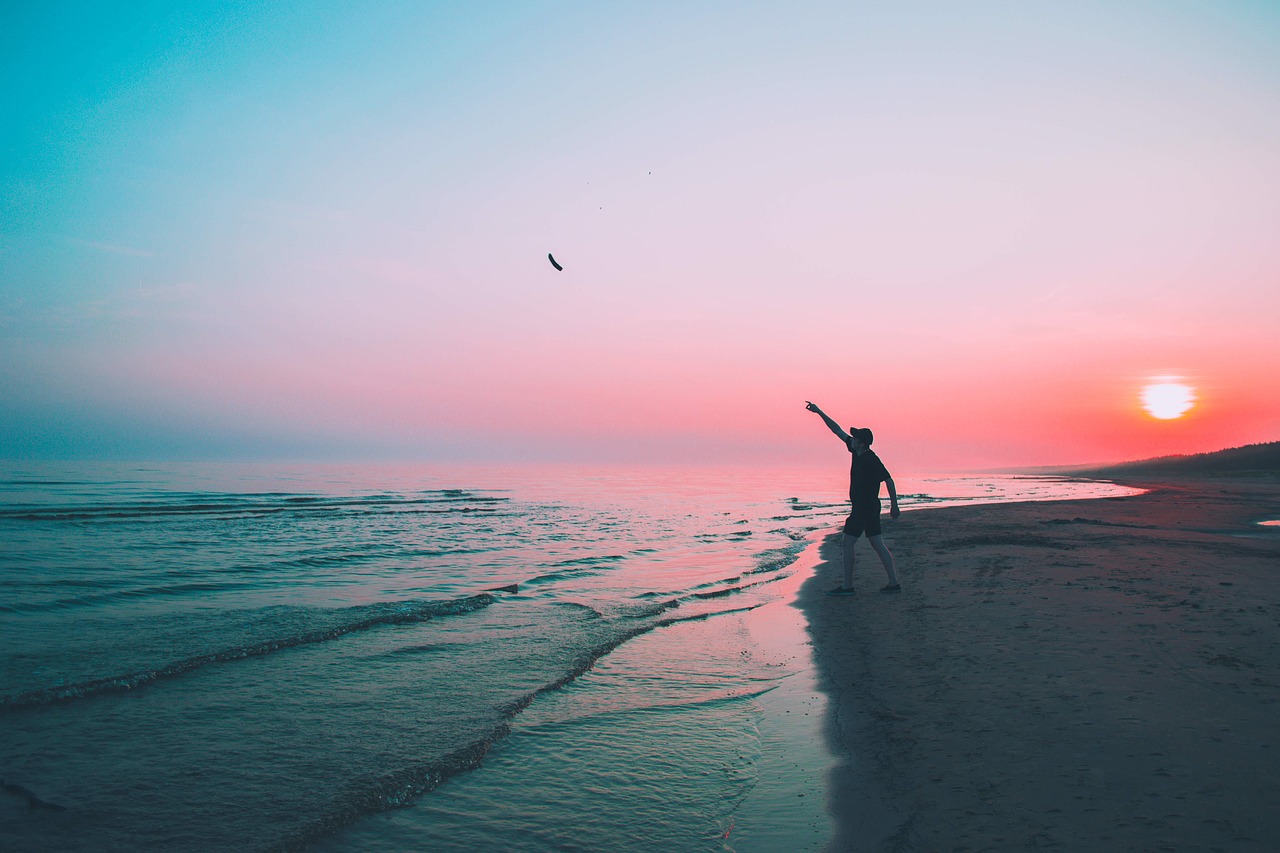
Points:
[(1086, 675)]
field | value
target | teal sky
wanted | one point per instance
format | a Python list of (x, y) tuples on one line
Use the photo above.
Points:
[(320, 230)]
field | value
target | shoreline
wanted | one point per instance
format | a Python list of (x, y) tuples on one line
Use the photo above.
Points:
[(1096, 674), (787, 808)]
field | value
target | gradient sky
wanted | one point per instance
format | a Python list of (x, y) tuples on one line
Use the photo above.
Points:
[(301, 230)]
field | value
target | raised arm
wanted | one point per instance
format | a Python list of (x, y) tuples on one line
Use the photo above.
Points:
[(832, 425)]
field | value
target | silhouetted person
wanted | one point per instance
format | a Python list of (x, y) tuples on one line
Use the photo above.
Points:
[(865, 476)]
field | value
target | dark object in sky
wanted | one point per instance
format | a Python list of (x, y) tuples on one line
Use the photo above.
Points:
[(553, 261)]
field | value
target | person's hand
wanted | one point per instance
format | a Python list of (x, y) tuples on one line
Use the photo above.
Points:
[(812, 407), (894, 512)]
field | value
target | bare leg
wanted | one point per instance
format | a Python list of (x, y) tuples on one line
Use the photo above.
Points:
[(877, 542), (848, 542)]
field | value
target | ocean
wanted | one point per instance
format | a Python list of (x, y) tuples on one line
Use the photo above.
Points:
[(387, 658)]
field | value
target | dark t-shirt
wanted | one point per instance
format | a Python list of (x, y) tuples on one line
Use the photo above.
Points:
[(866, 473)]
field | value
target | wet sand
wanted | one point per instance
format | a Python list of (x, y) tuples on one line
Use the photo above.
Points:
[(1087, 675)]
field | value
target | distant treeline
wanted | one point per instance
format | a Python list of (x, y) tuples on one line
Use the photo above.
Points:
[(1236, 460)]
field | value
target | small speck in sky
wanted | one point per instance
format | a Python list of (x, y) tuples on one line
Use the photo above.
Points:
[(551, 258)]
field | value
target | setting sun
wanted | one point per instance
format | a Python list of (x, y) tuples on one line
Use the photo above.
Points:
[(1166, 398)]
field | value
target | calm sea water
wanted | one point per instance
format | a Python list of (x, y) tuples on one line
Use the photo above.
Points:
[(232, 657)]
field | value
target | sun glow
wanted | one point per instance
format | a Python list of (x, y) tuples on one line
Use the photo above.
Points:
[(1167, 398)]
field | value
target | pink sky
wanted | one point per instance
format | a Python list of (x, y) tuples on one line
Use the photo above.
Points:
[(979, 232)]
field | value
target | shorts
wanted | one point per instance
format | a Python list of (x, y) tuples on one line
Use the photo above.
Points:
[(863, 520)]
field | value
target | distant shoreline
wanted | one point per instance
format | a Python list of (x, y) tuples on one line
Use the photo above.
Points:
[(1102, 674), (1250, 461)]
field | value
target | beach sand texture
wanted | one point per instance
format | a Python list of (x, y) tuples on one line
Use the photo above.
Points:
[(1086, 675)]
